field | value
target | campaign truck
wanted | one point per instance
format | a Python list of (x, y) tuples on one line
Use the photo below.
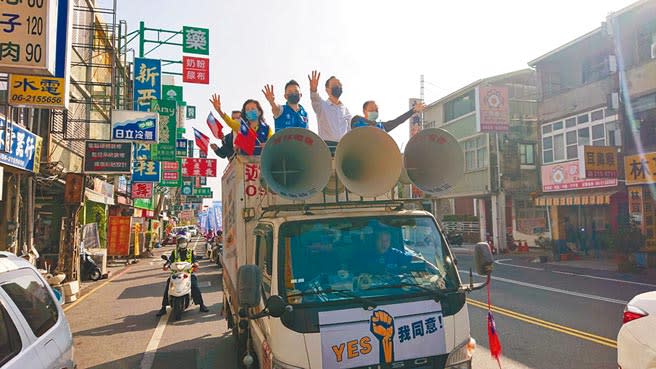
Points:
[(326, 266)]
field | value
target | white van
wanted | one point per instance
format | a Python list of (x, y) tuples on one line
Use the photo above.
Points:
[(34, 332)]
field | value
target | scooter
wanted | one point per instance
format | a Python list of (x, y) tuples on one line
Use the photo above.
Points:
[(455, 238), (89, 267), (179, 286)]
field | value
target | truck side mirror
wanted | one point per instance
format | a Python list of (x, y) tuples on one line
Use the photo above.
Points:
[(276, 306), (483, 259), (249, 281)]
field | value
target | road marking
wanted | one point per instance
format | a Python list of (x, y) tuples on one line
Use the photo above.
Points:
[(67, 308), (151, 349), (557, 290), (516, 266), (546, 324), (605, 279)]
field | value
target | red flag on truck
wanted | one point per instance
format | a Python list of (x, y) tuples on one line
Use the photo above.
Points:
[(492, 336)]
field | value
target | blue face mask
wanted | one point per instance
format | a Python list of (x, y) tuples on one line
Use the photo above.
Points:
[(251, 115), (372, 116)]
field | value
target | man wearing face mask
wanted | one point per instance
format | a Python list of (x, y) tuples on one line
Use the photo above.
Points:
[(227, 150), (333, 118), (292, 113), (370, 119)]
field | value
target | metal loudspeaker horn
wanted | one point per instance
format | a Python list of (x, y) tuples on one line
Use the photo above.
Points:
[(403, 178), (368, 161), (295, 163), (434, 160)]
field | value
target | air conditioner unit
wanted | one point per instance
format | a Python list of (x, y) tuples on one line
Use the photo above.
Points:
[(653, 50)]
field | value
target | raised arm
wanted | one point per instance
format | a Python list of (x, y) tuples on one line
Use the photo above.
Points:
[(216, 103), (314, 95), (391, 124), (271, 98)]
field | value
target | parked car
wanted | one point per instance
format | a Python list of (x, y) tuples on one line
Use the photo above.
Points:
[(193, 231), (34, 332), (636, 347), (170, 239)]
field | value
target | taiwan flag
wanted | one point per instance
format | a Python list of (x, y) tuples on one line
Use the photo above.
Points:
[(202, 141), (215, 126), (246, 139)]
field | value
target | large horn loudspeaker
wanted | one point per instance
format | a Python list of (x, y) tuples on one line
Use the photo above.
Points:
[(296, 163), (368, 161), (434, 160)]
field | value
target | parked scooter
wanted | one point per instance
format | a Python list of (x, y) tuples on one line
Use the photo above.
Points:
[(89, 267), (179, 286), (454, 238)]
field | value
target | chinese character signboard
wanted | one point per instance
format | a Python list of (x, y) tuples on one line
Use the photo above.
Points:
[(598, 161), (28, 36), (493, 112), (191, 112), (565, 176), (147, 82), (414, 329), (195, 40), (36, 91), (171, 174), (187, 189), (118, 235), (640, 169), (105, 157), (20, 148), (181, 149), (142, 190), (252, 183), (163, 152), (194, 167), (144, 169), (134, 126), (204, 192), (171, 92), (195, 70)]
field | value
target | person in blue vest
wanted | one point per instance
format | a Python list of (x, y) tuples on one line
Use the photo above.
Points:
[(183, 253), (370, 118), (292, 113)]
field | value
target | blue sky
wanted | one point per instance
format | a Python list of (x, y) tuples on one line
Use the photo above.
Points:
[(378, 49)]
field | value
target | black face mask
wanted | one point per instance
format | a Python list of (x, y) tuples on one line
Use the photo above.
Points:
[(293, 98), (336, 91)]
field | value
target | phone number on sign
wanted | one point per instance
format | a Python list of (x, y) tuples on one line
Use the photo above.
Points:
[(36, 99)]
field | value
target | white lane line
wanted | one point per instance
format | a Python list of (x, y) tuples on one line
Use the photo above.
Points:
[(516, 266), (557, 290), (151, 349), (605, 279)]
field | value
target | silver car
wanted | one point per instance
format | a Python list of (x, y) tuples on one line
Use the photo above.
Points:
[(34, 332)]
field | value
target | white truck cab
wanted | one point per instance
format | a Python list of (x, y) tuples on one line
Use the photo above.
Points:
[(364, 283)]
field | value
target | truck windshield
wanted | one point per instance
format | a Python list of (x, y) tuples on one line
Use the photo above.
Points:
[(366, 257)]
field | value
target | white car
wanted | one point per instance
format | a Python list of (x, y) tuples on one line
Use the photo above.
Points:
[(34, 332), (636, 346), (192, 230)]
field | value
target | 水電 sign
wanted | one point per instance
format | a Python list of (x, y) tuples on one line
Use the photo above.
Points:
[(134, 126), (181, 147), (20, 148), (195, 70), (195, 40), (105, 157), (28, 36), (147, 82), (142, 190), (195, 167), (191, 112), (37, 91)]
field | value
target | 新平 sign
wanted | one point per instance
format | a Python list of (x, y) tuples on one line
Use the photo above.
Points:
[(391, 333), (134, 126), (147, 82)]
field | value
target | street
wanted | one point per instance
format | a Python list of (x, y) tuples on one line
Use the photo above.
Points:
[(547, 316), (116, 327)]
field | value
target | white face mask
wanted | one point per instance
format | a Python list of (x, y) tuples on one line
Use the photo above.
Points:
[(372, 115)]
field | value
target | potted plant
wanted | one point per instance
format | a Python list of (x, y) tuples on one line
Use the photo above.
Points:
[(627, 240)]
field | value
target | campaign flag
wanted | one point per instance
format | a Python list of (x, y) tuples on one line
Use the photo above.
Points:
[(215, 126), (246, 138), (202, 141), (492, 334)]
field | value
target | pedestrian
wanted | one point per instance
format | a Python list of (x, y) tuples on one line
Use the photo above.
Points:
[(251, 131), (333, 118), (290, 115), (227, 149), (370, 117)]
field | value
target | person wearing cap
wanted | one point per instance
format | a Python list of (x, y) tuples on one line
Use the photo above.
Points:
[(183, 253)]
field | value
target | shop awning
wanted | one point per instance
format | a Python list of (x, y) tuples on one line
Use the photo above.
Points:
[(574, 198), (100, 198)]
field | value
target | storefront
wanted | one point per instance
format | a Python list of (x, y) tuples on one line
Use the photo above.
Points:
[(640, 173)]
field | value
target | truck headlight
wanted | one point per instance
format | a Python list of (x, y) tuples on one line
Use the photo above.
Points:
[(460, 357), (277, 364)]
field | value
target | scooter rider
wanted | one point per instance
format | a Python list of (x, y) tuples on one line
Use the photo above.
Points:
[(182, 253)]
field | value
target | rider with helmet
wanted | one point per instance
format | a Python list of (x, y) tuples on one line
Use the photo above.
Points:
[(183, 253)]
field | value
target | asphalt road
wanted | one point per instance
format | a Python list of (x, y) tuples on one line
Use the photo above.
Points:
[(115, 327), (547, 317), (551, 316)]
